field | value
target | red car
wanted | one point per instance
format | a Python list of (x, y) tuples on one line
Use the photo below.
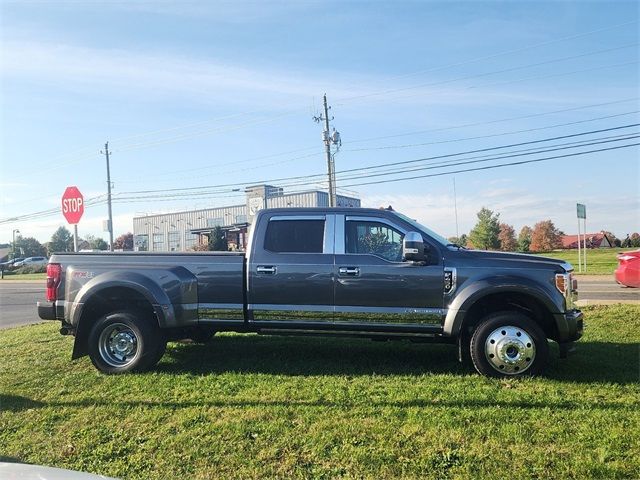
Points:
[(628, 271)]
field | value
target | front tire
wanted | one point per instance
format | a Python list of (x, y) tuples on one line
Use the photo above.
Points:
[(125, 341), (507, 345)]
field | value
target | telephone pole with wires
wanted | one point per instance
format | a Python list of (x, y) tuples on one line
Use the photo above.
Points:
[(110, 220), (330, 138)]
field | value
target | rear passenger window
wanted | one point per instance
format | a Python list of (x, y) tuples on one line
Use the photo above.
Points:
[(295, 236)]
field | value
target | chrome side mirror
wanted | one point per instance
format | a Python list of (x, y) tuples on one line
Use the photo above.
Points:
[(413, 247)]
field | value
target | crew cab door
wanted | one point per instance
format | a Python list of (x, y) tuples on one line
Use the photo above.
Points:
[(374, 285), (290, 271)]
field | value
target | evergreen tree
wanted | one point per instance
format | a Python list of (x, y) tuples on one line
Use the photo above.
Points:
[(485, 234), (217, 240), (524, 239), (61, 241)]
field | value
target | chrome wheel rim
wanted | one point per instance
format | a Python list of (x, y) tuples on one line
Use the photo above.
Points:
[(118, 345), (510, 350)]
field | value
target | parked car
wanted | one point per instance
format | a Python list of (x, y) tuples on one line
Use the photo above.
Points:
[(31, 262), (10, 264), (333, 271), (628, 271)]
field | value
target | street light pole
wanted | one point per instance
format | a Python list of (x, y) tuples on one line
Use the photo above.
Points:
[(14, 241)]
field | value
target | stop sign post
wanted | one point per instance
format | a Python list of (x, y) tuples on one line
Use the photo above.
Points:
[(72, 209)]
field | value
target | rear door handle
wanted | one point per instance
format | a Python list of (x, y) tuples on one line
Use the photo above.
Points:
[(266, 270), (349, 271)]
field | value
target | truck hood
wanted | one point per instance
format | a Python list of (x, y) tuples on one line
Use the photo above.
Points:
[(513, 260)]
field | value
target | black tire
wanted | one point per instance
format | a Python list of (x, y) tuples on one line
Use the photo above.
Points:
[(508, 345), (125, 341)]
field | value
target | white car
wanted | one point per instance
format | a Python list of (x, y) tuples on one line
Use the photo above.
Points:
[(31, 262)]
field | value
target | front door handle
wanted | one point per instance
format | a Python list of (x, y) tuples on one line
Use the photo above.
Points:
[(349, 271), (266, 270)]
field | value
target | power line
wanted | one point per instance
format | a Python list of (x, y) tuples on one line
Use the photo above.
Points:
[(228, 189), (496, 72), (410, 145), (487, 158), (464, 161), (561, 74), (500, 147), (281, 179), (280, 162), (489, 167), (490, 122), (495, 55)]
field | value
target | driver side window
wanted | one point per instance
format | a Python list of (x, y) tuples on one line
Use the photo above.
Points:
[(373, 238)]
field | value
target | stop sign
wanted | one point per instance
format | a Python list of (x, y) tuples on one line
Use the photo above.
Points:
[(72, 205)]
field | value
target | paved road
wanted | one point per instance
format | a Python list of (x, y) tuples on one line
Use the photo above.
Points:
[(18, 302), (603, 289), (18, 299)]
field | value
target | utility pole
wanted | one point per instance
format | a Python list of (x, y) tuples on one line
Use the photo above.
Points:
[(329, 139), (110, 221), (455, 207)]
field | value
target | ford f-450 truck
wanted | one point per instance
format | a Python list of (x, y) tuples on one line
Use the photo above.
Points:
[(363, 272)]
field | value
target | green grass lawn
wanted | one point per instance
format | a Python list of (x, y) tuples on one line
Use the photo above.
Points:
[(247, 406), (599, 261), (24, 276)]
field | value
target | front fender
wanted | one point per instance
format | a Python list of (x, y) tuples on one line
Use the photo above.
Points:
[(478, 289)]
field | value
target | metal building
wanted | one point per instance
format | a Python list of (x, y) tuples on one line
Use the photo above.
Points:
[(182, 231)]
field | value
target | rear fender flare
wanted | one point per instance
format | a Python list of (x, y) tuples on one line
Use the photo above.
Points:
[(142, 284)]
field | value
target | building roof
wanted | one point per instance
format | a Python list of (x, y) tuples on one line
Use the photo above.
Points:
[(594, 240)]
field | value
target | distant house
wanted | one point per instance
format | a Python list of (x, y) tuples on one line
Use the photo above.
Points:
[(594, 240)]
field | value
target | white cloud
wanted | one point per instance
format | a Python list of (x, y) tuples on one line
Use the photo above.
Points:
[(152, 74)]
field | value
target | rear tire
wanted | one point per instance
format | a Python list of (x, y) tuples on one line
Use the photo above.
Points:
[(125, 341), (508, 345)]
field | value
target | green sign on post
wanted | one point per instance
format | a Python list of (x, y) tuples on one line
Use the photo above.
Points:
[(582, 210)]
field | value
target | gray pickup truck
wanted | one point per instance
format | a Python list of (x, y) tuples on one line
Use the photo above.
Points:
[(353, 272)]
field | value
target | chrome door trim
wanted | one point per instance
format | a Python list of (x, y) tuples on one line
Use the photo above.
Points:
[(276, 218), (221, 311), (339, 234), (289, 308), (329, 235)]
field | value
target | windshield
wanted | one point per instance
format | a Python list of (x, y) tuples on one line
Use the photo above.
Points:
[(440, 239)]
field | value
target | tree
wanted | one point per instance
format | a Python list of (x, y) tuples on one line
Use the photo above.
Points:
[(123, 242), (61, 241), (507, 237), (218, 240), (524, 239), (485, 234), (461, 240), (96, 243), (545, 237), (634, 240), (30, 247)]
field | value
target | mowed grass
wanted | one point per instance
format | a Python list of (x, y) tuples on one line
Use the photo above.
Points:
[(24, 276), (247, 406), (599, 261)]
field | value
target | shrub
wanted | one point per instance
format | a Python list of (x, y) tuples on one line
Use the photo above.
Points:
[(31, 269)]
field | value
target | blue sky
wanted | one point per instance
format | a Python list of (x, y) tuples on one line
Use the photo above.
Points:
[(207, 93)]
